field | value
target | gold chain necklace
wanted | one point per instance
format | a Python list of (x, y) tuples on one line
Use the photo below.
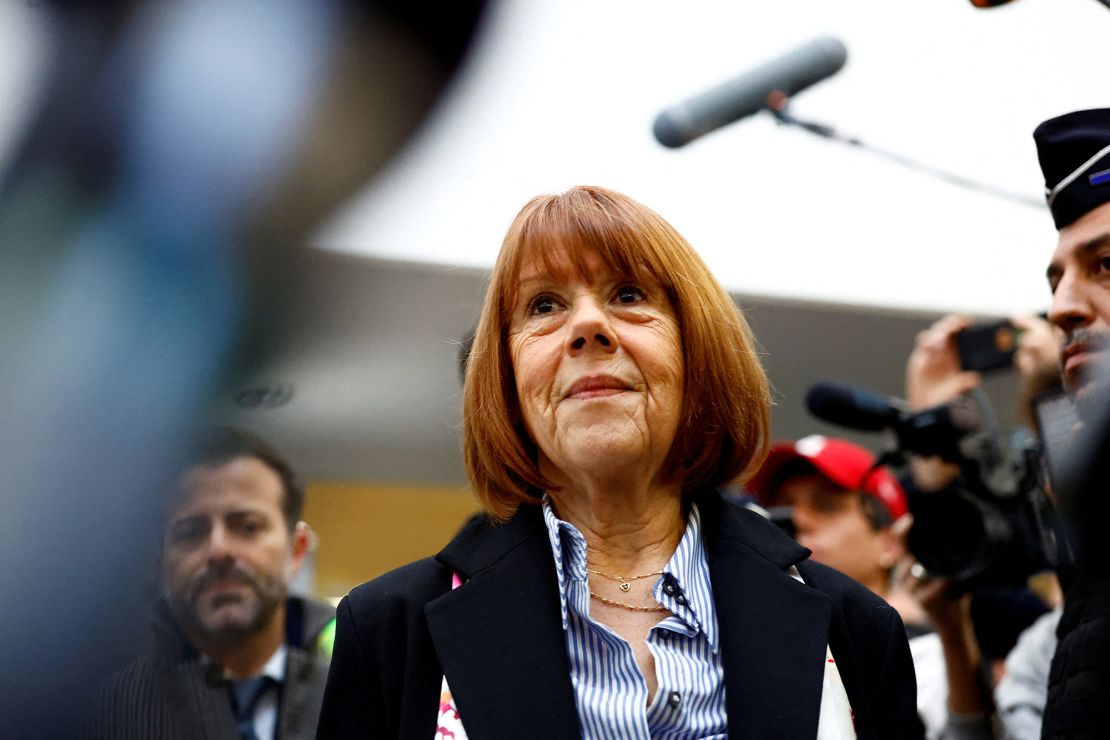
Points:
[(623, 605), (625, 581)]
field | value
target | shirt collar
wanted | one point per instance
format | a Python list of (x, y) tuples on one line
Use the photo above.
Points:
[(688, 570), (569, 549), (274, 667)]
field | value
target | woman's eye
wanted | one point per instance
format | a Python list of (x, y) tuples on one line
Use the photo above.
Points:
[(541, 305), (1104, 263), (629, 294)]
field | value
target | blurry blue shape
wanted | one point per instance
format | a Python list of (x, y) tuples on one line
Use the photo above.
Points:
[(219, 111), (121, 297), (125, 226)]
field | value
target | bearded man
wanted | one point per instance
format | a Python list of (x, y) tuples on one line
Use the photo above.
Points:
[(232, 655)]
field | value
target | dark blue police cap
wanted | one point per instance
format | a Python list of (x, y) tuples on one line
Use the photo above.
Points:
[(1074, 150)]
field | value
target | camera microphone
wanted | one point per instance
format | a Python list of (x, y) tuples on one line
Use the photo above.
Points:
[(933, 431), (742, 96), (852, 407)]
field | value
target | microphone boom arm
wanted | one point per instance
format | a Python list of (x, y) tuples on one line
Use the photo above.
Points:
[(778, 108)]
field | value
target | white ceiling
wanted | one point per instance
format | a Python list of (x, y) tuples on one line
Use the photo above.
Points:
[(561, 93)]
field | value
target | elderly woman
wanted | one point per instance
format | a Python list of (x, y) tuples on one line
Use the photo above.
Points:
[(609, 591)]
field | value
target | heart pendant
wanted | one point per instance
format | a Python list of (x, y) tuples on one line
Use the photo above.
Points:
[(625, 587)]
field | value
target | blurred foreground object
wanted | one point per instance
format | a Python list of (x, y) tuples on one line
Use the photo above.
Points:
[(148, 229)]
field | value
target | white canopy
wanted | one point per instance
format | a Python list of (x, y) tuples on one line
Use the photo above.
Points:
[(564, 92)]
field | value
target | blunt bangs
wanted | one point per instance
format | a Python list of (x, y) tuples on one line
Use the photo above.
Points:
[(560, 232)]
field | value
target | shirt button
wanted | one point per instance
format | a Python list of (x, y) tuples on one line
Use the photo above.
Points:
[(681, 599), (674, 700), (669, 588)]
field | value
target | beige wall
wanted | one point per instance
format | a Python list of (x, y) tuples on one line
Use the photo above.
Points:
[(365, 530)]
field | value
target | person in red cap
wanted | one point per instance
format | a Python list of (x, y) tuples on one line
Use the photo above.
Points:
[(842, 505), (845, 509)]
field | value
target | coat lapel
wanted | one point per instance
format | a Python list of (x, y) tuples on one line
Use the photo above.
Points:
[(499, 636), (774, 629), (200, 702), (501, 642)]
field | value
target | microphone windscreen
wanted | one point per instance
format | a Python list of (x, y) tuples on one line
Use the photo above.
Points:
[(742, 96), (852, 407)]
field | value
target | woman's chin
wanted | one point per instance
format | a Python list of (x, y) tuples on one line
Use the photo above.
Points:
[(602, 455)]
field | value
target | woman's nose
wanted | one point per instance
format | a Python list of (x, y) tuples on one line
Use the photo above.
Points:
[(590, 328)]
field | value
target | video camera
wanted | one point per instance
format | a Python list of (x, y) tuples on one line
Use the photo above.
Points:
[(993, 525)]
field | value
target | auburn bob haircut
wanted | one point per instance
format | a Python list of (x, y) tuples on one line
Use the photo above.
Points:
[(723, 427)]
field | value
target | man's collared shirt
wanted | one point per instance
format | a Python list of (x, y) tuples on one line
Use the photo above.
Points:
[(266, 711), (610, 691)]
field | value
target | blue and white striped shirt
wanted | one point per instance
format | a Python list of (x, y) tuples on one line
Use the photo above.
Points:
[(611, 692)]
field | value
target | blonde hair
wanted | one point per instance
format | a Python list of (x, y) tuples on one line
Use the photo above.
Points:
[(725, 418)]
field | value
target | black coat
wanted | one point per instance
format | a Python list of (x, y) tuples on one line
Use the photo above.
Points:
[(170, 693), (499, 639), (1077, 706)]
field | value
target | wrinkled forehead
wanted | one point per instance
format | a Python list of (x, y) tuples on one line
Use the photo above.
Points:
[(578, 255)]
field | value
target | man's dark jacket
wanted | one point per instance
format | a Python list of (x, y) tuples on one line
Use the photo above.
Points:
[(171, 693), (499, 639)]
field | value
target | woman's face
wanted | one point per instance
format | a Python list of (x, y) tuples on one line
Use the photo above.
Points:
[(599, 369)]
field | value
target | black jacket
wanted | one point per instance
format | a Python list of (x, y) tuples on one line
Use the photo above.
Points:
[(499, 639), (1078, 702), (169, 693)]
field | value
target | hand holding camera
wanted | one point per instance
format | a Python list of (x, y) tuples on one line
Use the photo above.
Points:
[(934, 372)]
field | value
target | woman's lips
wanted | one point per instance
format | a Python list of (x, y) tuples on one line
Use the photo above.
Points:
[(596, 386), (599, 393)]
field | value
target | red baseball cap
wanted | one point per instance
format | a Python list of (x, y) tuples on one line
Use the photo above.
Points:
[(847, 465)]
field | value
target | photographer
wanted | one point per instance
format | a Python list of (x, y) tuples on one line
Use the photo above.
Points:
[(934, 375)]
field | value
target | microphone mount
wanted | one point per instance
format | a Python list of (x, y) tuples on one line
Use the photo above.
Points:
[(779, 106)]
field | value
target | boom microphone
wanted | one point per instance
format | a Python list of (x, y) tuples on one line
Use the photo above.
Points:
[(747, 94)]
